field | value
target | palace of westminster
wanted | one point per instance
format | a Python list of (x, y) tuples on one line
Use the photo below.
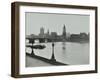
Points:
[(53, 36)]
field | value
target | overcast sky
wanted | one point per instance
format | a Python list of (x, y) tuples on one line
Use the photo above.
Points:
[(55, 22)]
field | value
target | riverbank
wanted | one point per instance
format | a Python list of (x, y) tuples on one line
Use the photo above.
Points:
[(34, 60)]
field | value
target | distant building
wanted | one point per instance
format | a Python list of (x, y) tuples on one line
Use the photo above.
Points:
[(48, 32), (75, 37), (41, 34), (79, 37), (53, 35), (64, 32), (84, 36), (47, 35)]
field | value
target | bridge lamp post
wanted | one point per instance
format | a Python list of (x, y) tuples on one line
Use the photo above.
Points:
[(53, 56)]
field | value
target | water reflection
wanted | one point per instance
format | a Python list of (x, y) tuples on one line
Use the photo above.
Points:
[(65, 52), (64, 47)]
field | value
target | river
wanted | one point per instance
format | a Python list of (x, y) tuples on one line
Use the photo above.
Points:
[(66, 52)]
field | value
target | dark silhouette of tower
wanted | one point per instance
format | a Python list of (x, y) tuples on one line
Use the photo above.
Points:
[(48, 32), (41, 32), (64, 32)]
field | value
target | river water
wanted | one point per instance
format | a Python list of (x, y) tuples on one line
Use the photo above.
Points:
[(66, 52)]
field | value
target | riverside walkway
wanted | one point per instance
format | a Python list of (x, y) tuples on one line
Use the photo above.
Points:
[(36, 61)]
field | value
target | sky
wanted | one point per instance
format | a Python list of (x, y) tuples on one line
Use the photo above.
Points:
[(74, 23)]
